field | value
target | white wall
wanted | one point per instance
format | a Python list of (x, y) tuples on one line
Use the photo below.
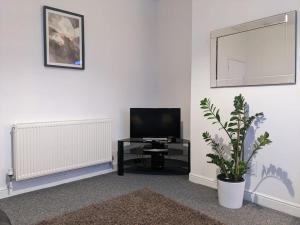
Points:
[(135, 57), (120, 47), (174, 46), (280, 188)]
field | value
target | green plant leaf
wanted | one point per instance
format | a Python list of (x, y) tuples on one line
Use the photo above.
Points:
[(236, 129)]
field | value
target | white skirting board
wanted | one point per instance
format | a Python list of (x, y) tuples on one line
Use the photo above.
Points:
[(255, 197), (4, 192)]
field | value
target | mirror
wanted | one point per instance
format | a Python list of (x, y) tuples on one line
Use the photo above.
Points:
[(262, 52)]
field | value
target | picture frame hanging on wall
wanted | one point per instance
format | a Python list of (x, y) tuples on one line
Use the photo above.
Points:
[(63, 39)]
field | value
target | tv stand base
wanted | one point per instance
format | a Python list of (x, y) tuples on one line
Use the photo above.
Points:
[(157, 157)]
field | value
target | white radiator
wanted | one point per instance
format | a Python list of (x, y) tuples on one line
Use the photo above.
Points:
[(50, 147)]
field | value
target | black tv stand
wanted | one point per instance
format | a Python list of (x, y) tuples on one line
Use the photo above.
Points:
[(157, 150)]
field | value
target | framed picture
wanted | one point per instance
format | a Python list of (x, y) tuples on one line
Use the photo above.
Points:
[(63, 39)]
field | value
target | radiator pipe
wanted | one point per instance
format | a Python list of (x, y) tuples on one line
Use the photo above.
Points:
[(10, 176), (10, 173)]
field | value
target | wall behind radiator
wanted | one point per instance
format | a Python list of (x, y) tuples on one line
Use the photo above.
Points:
[(138, 54), (119, 37)]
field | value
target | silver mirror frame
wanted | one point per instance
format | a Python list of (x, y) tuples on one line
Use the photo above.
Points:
[(289, 18)]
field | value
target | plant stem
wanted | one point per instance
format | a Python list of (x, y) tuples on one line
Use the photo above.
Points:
[(244, 135), (221, 124), (237, 152)]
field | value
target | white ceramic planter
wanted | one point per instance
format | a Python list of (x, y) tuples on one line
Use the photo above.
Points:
[(231, 194)]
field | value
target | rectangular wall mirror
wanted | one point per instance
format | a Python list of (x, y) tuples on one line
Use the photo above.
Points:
[(261, 52)]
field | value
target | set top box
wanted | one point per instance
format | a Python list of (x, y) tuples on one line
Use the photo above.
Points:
[(155, 123)]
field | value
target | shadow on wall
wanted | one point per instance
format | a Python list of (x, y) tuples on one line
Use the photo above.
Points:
[(268, 172), (226, 147), (271, 172)]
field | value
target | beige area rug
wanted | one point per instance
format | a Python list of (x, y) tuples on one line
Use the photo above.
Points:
[(143, 207)]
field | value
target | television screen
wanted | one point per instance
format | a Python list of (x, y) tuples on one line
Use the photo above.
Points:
[(154, 122)]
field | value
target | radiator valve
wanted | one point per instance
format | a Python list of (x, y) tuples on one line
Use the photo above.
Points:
[(10, 172)]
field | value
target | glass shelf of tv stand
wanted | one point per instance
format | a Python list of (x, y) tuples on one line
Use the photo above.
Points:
[(133, 156)]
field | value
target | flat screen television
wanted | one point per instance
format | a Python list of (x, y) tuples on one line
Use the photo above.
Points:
[(155, 122)]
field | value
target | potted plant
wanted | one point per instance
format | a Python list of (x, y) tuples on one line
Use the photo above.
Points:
[(233, 164)]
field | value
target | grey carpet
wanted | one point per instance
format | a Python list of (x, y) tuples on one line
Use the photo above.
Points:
[(36, 206)]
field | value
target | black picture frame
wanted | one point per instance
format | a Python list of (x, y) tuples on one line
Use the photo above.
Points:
[(64, 47)]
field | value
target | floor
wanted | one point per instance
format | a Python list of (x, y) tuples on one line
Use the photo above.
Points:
[(33, 207)]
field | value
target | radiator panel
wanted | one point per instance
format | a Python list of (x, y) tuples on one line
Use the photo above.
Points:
[(45, 148)]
